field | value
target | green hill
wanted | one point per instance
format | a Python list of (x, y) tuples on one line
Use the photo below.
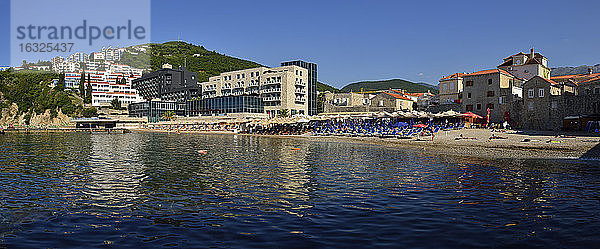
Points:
[(322, 87), (197, 58), (389, 84)]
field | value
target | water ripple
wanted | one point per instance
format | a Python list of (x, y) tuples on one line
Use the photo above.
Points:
[(148, 190)]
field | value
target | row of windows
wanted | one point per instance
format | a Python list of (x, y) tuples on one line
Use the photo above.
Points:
[(531, 92), (470, 82), (478, 106)]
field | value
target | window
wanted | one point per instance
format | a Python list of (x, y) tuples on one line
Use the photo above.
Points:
[(597, 90), (490, 106), (541, 92), (468, 95), (478, 106), (554, 105), (469, 108), (381, 103), (530, 106), (489, 81), (530, 93), (490, 93), (469, 83), (502, 100)]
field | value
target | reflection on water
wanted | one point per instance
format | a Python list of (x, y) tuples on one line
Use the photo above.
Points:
[(148, 190)]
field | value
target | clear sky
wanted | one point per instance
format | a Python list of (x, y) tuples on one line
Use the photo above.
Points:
[(366, 40)]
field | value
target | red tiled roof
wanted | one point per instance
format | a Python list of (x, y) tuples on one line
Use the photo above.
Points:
[(454, 76), (490, 71), (548, 80), (398, 96), (571, 76), (591, 79)]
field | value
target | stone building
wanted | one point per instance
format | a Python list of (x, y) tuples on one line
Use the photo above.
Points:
[(496, 90), (546, 103), (391, 102), (347, 102), (367, 102), (451, 88), (526, 66)]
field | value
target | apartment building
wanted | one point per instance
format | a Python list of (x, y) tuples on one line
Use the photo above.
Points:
[(495, 90), (280, 88)]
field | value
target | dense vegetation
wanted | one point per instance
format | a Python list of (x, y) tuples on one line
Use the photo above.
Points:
[(30, 91), (389, 84), (198, 59)]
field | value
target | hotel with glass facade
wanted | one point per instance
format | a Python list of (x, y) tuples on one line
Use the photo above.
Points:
[(280, 88)]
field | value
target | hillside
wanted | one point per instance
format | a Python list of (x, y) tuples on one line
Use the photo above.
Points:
[(574, 70), (389, 84), (26, 96), (322, 87), (197, 58)]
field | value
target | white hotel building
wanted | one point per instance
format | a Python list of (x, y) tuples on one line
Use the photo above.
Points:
[(105, 86), (280, 87)]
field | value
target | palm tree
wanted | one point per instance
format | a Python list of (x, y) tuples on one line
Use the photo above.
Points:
[(283, 113), (168, 115)]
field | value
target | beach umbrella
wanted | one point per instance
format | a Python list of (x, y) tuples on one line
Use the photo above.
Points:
[(420, 126), (472, 115)]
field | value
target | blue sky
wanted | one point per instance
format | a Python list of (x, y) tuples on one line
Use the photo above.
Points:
[(366, 40)]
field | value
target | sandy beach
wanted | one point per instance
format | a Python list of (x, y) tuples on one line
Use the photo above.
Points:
[(474, 142)]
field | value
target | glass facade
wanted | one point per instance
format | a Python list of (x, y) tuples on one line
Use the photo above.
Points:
[(224, 105)]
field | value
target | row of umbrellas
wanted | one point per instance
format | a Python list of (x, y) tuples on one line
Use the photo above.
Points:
[(398, 114)]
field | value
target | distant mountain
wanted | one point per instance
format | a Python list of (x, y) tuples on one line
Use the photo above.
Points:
[(196, 58), (390, 84), (574, 70)]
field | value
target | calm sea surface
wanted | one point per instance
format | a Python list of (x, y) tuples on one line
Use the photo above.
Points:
[(160, 190)]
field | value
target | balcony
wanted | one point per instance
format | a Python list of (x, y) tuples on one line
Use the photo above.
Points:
[(300, 100), (271, 90), (278, 98), (300, 91), (271, 82)]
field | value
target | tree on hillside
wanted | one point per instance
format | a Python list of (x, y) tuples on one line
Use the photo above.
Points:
[(88, 91), (82, 84), (60, 86)]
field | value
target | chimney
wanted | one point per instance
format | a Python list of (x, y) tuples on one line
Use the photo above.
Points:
[(590, 70), (532, 53)]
